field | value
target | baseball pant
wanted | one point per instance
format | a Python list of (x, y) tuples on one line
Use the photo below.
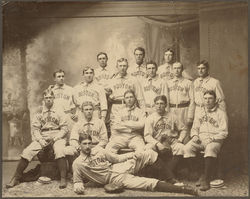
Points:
[(181, 114), (210, 149)]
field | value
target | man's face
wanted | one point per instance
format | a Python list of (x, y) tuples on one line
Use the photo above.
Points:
[(160, 106), (139, 57), (202, 70), (88, 75), (48, 100), (88, 111), (59, 78), (209, 101), (122, 68), (151, 70), (168, 57), (102, 59), (177, 69), (86, 146), (129, 100)]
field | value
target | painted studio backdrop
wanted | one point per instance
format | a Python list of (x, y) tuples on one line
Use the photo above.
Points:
[(41, 37)]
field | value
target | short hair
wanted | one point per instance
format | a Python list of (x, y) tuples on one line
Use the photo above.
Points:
[(58, 71), (84, 136), (203, 62), (121, 60), (133, 93), (210, 92), (102, 53), (170, 50), (180, 64), (48, 92), (161, 97), (87, 68), (87, 103), (152, 62), (140, 49)]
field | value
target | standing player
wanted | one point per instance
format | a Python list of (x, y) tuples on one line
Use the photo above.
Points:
[(106, 168), (94, 127), (209, 130), (119, 84), (49, 126), (89, 90), (166, 70), (164, 133), (181, 98), (127, 126), (152, 86), (204, 83), (138, 70)]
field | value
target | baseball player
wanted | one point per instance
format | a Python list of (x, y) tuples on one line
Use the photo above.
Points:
[(91, 126), (63, 97), (108, 168), (119, 84), (89, 90), (48, 126), (165, 70), (205, 82), (138, 70), (152, 86), (209, 130), (164, 132), (181, 98), (127, 126)]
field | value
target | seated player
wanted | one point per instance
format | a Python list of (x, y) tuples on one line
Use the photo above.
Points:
[(105, 168), (209, 130), (127, 126), (48, 126), (88, 125), (164, 133)]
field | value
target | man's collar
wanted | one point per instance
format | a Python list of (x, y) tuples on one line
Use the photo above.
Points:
[(131, 108), (205, 79), (212, 109), (45, 109), (59, 87), (85, 83), (178, 79), (84, 122)]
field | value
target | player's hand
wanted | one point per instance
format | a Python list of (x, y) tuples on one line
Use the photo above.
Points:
[(137, 155), (79, 188), (196, 139), (149, 146), (160, 146), (56, 138), (74, 117), (43, 142)]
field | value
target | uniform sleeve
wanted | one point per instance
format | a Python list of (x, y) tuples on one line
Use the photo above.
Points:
[(195, 128), (220, 96), (165, 92), (115, 158), (103, 135), (102, 98), (74, 135), (191, 107), (63, 125), (223, 126), (148, 131), (181, 127), (138, 91), (117, 124), (36, 126), (77, 174), (137, 125)]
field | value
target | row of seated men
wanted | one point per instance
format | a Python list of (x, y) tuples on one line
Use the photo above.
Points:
[(149, 114)]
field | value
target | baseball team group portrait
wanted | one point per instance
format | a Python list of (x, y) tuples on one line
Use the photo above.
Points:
[(125, 99)]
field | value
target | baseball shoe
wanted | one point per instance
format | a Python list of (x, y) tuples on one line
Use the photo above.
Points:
[(205, 185), (14, 181), (63, 183)]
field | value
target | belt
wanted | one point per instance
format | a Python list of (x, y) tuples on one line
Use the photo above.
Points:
[(50, 129), (117, 101), (186, 104)]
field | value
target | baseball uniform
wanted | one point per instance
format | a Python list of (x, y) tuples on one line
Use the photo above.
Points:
[(157, 127), (201, 85), (48, 124), (119, 85), (137, 71), (165, 71), (127, 130), (181, 98), (152, 87), (92, 92), (211, 126), (103, 75), (95, 128), (100, 169)]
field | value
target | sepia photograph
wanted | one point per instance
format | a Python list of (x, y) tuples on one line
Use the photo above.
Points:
[(125, 98)]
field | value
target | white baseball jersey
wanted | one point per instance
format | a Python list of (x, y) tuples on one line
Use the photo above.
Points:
[(165, 71), (201, 85), (103, 75), (212, 123), (90, 92), (181, 92), (63, 97), (95, 128), (152, 87), (156, 126), (137, 71)]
